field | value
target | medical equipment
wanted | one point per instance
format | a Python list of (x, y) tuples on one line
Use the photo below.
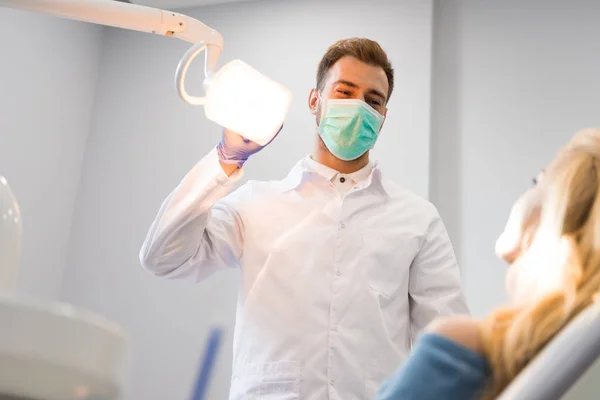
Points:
[(551, 374), (57, 352), (10, 237), (50, 352), (237, 96), (208, 363)]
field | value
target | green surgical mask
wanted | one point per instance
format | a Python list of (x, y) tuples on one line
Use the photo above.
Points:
[(349, 127)]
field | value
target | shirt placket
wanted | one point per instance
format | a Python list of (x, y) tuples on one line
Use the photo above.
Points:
[(333, 361)]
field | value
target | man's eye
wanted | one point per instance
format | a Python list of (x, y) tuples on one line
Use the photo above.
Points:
[(344, 92)]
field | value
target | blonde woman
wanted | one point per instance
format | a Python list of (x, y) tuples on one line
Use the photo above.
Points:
[(552, 243)]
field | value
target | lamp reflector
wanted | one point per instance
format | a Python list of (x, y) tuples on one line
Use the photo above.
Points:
[(245, 101)]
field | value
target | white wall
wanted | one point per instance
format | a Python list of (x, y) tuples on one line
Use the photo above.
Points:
[(513, 80), (47, 84), (144, 139)]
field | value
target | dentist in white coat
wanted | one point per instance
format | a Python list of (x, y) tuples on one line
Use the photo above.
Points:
[(340, 268)]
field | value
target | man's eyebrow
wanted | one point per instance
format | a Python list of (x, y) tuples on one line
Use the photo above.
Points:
[(354, 85), (377, 93), (345, 82)]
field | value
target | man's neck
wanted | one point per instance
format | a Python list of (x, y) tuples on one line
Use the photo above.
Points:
[(324, 156)]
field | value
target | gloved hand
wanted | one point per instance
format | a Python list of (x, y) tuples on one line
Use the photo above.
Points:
[(234, 149)]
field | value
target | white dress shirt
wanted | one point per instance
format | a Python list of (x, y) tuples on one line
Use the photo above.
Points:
[(339, 273)]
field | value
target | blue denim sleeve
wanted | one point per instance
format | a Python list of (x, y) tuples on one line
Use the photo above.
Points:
[(437, 369)]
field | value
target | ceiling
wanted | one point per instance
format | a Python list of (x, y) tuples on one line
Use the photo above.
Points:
[(174, 4)]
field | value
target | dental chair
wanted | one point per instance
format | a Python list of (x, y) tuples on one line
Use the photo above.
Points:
[(562, 362)]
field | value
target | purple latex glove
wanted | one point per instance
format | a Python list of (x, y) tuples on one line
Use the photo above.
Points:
[(234, 149)]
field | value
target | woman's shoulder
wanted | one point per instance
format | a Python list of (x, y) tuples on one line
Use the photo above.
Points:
[(463, 330), (446, 362)]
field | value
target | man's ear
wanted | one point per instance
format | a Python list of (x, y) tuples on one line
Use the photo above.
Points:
[(313, 101), (384, 119)]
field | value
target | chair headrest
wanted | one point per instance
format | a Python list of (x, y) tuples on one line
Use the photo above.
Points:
[(562, 362)]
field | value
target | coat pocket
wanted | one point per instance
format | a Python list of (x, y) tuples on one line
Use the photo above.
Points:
[(267, 381), (388, 258)]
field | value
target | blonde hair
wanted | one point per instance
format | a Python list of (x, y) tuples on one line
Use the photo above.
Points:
[(512, 336)]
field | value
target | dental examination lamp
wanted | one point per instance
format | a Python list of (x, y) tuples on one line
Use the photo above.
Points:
[(58, 352), (236, 97)]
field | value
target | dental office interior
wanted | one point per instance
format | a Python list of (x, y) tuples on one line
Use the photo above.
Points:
[(93, 136)]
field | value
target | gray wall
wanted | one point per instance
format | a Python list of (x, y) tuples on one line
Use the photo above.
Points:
[(47, 86), (144, 139), (513, 80)]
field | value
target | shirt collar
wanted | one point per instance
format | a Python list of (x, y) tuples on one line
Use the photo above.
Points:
[(330, 173), (367, 176)]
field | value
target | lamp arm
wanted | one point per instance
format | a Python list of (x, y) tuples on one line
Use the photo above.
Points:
[(137, 18)]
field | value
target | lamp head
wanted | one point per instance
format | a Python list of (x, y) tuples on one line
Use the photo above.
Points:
[(245, 101), (237, 96)]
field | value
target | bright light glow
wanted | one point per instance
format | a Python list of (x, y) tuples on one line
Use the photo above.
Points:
[(243, 100)]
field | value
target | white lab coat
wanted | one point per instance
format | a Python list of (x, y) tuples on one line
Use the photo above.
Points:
[(333, 287)]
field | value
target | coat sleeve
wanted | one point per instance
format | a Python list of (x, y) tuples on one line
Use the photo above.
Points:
[(434, 282), (199, 227)]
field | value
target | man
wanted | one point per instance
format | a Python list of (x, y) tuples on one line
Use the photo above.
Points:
[(340, 268)]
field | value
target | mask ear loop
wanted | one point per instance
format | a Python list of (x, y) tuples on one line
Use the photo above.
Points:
[(322, 104)]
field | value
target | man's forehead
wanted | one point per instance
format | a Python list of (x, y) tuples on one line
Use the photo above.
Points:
[(363, 75)]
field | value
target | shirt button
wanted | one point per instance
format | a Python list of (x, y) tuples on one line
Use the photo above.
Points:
[(342, 225), (332, 382), (342, 179), (338, 273)]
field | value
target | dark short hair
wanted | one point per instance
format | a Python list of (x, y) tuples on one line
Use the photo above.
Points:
[(365, 50)]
